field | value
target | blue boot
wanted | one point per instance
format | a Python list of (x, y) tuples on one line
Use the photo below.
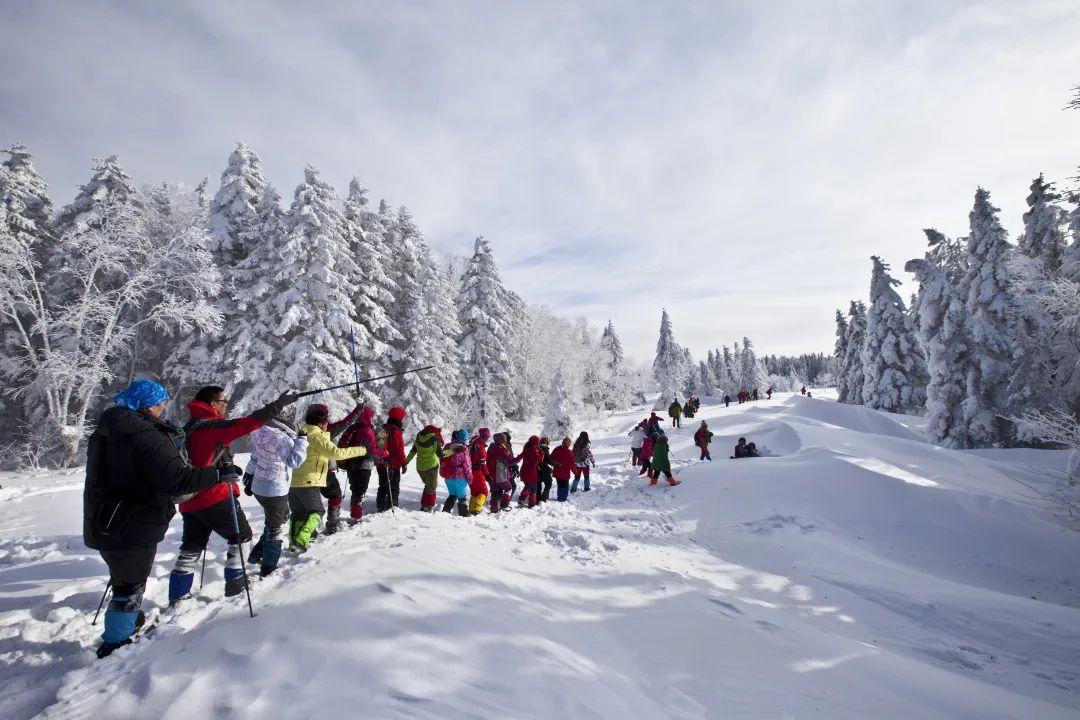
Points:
[(180, 585), (271, 554), (122, 618)]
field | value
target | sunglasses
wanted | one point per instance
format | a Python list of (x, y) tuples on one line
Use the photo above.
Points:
[(223, 401)]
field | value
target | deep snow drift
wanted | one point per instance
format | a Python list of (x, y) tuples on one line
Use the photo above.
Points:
[(856, 572)]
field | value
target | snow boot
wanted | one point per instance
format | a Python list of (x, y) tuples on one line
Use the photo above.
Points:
[(234, 572), (255, 557), (306, 532), (672, 481), (428, 500), (652, 480), (356, 509), (180, 585), (448, 506), (333, 516), (270, 556), (122, 619), (463, 507)]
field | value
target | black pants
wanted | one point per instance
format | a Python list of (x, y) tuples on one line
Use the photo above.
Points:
[(217, 518), (545, 486), (332, 491), (389, 486), (128, 569), (359, 479)]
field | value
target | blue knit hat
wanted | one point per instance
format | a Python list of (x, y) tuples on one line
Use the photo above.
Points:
[(141, 394), (460, 436)]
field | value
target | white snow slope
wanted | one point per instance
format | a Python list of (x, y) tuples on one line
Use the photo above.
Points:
[(858, 572)]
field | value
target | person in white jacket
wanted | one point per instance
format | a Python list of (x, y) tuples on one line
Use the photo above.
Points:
[(275, 450), (637, 437)]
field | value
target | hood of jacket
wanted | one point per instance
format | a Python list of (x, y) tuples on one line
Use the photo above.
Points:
[(198, 410)]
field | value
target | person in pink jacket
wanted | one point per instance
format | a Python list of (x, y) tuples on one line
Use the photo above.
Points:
[(456, 470), (646, 456)]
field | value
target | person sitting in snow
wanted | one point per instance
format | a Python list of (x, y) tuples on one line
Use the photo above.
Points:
[(740, 449), (275, 450), (702, 438), (134, 469), (674, 411), (661, 462), (583, 459), (562, 458), (456, 469), (751, 450)]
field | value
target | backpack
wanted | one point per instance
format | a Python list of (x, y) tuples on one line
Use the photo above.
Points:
[(581, 454), (447, 468), (180, 441)]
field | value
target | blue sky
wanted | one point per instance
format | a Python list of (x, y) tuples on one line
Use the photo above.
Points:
[(737, 163)]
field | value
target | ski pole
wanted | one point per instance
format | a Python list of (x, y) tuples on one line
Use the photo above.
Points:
[(102, 603), (355, 367), (307, 393), (202, 575), (243, 565)]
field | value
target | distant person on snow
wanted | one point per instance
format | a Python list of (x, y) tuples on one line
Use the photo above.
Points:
[(308, 480), (702, 438), (755, 396), (456, 469), (645, 458), (583, 459), (637, 437), (674, 411), (652, 425), (208, 435), (768, 393), (429, 451), (727, 401), (530, 458), (661, 462), (499, 462), (478, 488), (544, 470), (751, 450), (809, 394), (562, 459), (134, 468), (803, 391), (275, 450), (358, 470), (740, 449)]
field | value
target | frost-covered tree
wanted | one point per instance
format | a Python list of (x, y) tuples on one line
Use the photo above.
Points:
[(668, 364), (947, 254), (941, 314), (853, 367), (1070, 263), (614, 357), (557, 422), (1044, 236), (706, 379), (233, 211), (726, 372), (484, 313), (986, 290), (892, 363), (617, 392), (840, 353), (27, 207), (751, 372)]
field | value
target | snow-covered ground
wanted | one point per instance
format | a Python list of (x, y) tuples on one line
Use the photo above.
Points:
[(857, 572)]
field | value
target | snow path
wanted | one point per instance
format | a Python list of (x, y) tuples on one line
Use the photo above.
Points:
[(857, 572)]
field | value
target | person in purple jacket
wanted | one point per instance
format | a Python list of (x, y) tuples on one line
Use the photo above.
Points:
[(456, 470)]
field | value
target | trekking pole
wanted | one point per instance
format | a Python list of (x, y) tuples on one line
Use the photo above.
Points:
[(102, 603), (202, 575), (361, 381), (355, 367), (243, 565)]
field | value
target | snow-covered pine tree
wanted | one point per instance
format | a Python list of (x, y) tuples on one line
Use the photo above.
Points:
[(706, 379), (614, 357), (618, 386), (751, 373), (947, 254), (986, 290), (853, 366), (233, 212), (840, 353), (940, 329), (726, 375), (1044, 237), (1070, 263), (28, 209), (668, 364), (484, 314), (891, 361), (405, 242), (688, 370), (557, 422)]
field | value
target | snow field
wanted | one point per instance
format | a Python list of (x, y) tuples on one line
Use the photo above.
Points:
[(856, 572)]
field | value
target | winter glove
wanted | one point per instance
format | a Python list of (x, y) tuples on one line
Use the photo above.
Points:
[(248, 479), (229, 473)]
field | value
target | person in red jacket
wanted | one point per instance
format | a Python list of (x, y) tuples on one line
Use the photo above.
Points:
[(478, 487), (562, 458), (362, 433), (389, 468), (209, 434), (531, 456), (499, 462)]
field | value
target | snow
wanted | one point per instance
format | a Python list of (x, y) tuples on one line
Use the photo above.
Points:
[(855, 572)]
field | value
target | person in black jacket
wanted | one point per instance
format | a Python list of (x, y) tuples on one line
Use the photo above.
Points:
[(134, 469)]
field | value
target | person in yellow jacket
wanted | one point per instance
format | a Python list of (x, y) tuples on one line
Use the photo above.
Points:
[(305, 498)]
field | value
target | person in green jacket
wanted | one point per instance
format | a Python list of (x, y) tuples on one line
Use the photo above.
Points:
[(661, 461), (428, 451), (675, 411), (305, 491)]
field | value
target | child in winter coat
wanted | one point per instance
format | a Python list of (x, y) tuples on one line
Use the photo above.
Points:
[(305, 496), (531, 456), (583, 459), (478, 488), (275, 450), (456, 469), (544, 470), (389, 469), (429, 451), (661, 462), (499, 462), (645, 457), (358, 470), (702, 438), (637, 437), (562, 460)]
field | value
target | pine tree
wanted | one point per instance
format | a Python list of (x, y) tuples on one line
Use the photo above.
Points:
[(1070, 263), (853, 367), (986, 290), (947, 254), (26, 201), (1043, 235), (891, 361), (668, 364), (484, 312), (706, 379), (840, 353), (233, 212), (751, 374), (557, 422), (611, 346), (726, 374)]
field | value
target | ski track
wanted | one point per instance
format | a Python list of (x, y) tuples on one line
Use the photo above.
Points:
[(681, 608)]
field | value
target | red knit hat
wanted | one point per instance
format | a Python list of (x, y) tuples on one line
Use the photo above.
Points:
[(397, 413)]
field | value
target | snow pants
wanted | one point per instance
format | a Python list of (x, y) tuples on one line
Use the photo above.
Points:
[(306, 507), (635, 456), (429, 497), (458, 491), (359, 479), (705, 453), (544, 490), (128, 570), (389, 486), (675, 422), (334, 498), (562, 490), (646, 467), (198, 525), (267, 551), (500, 494), (530, 494), (578, 472)]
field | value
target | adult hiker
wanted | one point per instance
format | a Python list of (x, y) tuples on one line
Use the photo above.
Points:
[(803, 391), (688, 409), (134, 469), (562, 460), (390, 467), (583, 460), (478, 488), (674, 411), (332, 489), (740, 449), (456, 469), (727, 400), (543, 470), (499, 460), (755, 396), (358, 470), (661, 462), (308, 480), (276, 450), (217, 510), (530, 458), (768, 393), (702, 438), (428, 450), (637, 436)]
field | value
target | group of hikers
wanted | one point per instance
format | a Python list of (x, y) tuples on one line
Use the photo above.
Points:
[(649, 445), (140, 466), (677, 411)]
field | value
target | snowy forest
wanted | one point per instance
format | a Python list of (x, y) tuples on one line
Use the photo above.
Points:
[(168, 282), (989, 347)]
